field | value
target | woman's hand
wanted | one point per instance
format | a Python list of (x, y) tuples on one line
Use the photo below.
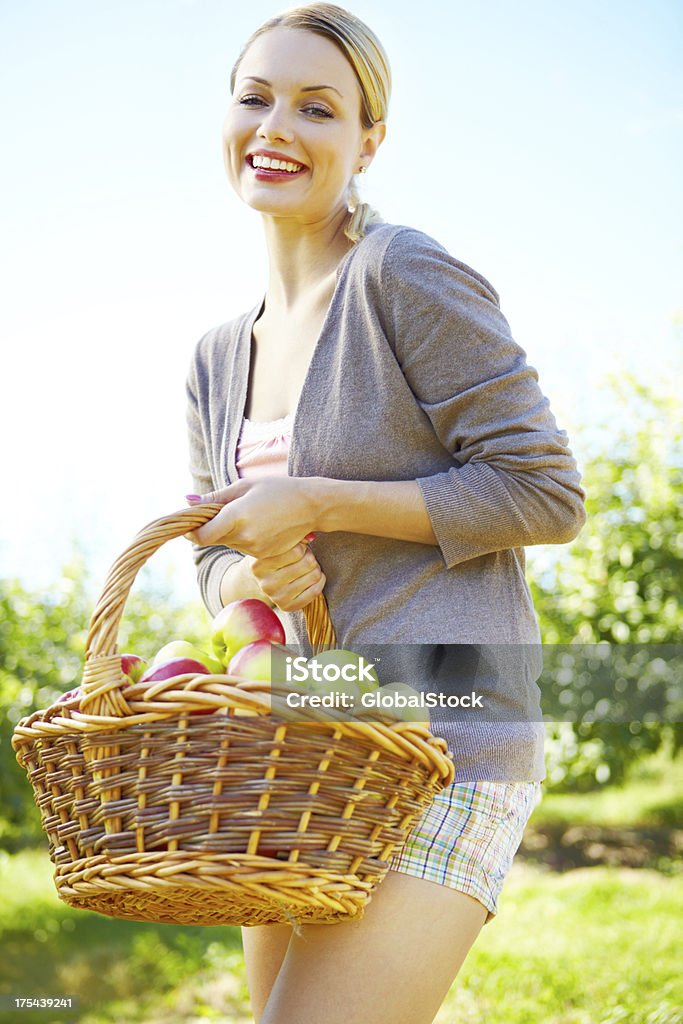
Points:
[(263, 518), (291, 580), (288, 581)]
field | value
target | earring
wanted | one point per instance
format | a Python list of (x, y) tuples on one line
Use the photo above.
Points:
[(362, 169)]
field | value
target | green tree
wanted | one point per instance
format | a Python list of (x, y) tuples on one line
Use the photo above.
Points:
[(620, 581), (42, 645)]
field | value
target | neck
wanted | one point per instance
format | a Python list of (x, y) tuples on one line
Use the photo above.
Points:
[(301, 256)]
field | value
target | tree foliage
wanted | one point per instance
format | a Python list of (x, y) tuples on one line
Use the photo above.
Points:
[(620, 583), (42, 646)]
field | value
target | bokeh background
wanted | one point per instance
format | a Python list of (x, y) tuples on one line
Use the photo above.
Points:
[(542, 144)]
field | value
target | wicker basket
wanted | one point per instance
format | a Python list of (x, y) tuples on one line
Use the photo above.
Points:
[(229, 818)]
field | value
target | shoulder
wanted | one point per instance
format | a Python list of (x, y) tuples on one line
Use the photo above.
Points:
[(217, 347), (406, 259), (218, 340)]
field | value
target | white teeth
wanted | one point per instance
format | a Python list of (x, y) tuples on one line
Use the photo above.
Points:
[(275, 165)]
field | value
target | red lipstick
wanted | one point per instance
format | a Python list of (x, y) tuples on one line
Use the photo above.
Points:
[(268, 173)]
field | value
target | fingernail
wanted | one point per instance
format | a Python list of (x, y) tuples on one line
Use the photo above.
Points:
[(310, 536), (193, 497)]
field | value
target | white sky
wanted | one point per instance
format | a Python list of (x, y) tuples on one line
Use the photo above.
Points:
[(540, 142)]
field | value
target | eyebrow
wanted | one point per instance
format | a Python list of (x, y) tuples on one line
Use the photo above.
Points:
[(306, 88)]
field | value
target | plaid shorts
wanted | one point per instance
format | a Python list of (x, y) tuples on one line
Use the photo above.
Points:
[(468, 836)]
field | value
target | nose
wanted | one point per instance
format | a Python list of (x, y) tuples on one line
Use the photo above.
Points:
[(275, 125)]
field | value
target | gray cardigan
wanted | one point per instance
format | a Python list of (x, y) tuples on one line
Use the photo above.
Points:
[(415, 376)]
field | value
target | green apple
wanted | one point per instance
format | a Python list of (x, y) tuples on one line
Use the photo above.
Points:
[(336, 669), (401, 701), (348, 693), (184, 649)]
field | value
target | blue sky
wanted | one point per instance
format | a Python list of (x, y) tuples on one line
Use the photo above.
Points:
[(540, 142)]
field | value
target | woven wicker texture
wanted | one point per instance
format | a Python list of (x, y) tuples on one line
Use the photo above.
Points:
[(250, 813)]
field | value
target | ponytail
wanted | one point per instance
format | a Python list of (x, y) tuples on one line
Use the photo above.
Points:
[(362, 216)]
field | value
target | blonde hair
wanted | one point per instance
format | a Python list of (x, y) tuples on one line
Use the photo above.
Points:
[(367, 57)]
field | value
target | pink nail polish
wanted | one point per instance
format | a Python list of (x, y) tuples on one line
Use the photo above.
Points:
[(310, 536), (193, 497)]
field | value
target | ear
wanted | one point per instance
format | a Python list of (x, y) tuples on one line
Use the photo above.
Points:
[(372, 140)]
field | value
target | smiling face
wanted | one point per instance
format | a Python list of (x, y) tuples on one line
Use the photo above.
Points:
[(297, 102)]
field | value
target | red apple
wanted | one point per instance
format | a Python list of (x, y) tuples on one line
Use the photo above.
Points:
[(174, 667), (68, 695), (178, 667), (252, 661), (241, 623), (184, 649), (132, 666)]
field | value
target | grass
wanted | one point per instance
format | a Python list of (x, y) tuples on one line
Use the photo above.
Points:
[(590, 946), (596, 946), (593, 946), (120, 970), (652, 797)]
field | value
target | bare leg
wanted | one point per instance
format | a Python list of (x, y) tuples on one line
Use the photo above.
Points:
[(394, 966), (264, 950)]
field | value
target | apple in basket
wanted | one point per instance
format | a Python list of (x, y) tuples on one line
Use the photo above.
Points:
[(335, 669), (261, 662), (253, 661), (241, 623), (178, 667), (174, 667), (69, 695), (184, 649), (344, 674), (133, 667), (403, 702)]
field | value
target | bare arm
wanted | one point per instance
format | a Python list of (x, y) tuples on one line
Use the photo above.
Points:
[(394, 509), (268, 517)]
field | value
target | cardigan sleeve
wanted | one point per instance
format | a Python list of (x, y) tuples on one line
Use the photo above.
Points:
[(514, 481), (211, 562)]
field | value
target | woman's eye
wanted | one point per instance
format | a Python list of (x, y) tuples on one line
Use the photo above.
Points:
[(315, 109), (318, 111)]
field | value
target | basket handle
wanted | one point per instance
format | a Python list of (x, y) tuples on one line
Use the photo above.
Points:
[(106, 618)]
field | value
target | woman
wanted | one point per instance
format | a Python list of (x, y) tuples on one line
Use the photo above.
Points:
[(373, 429)]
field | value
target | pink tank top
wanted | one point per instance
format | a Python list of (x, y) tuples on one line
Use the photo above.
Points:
[(263, 448)]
